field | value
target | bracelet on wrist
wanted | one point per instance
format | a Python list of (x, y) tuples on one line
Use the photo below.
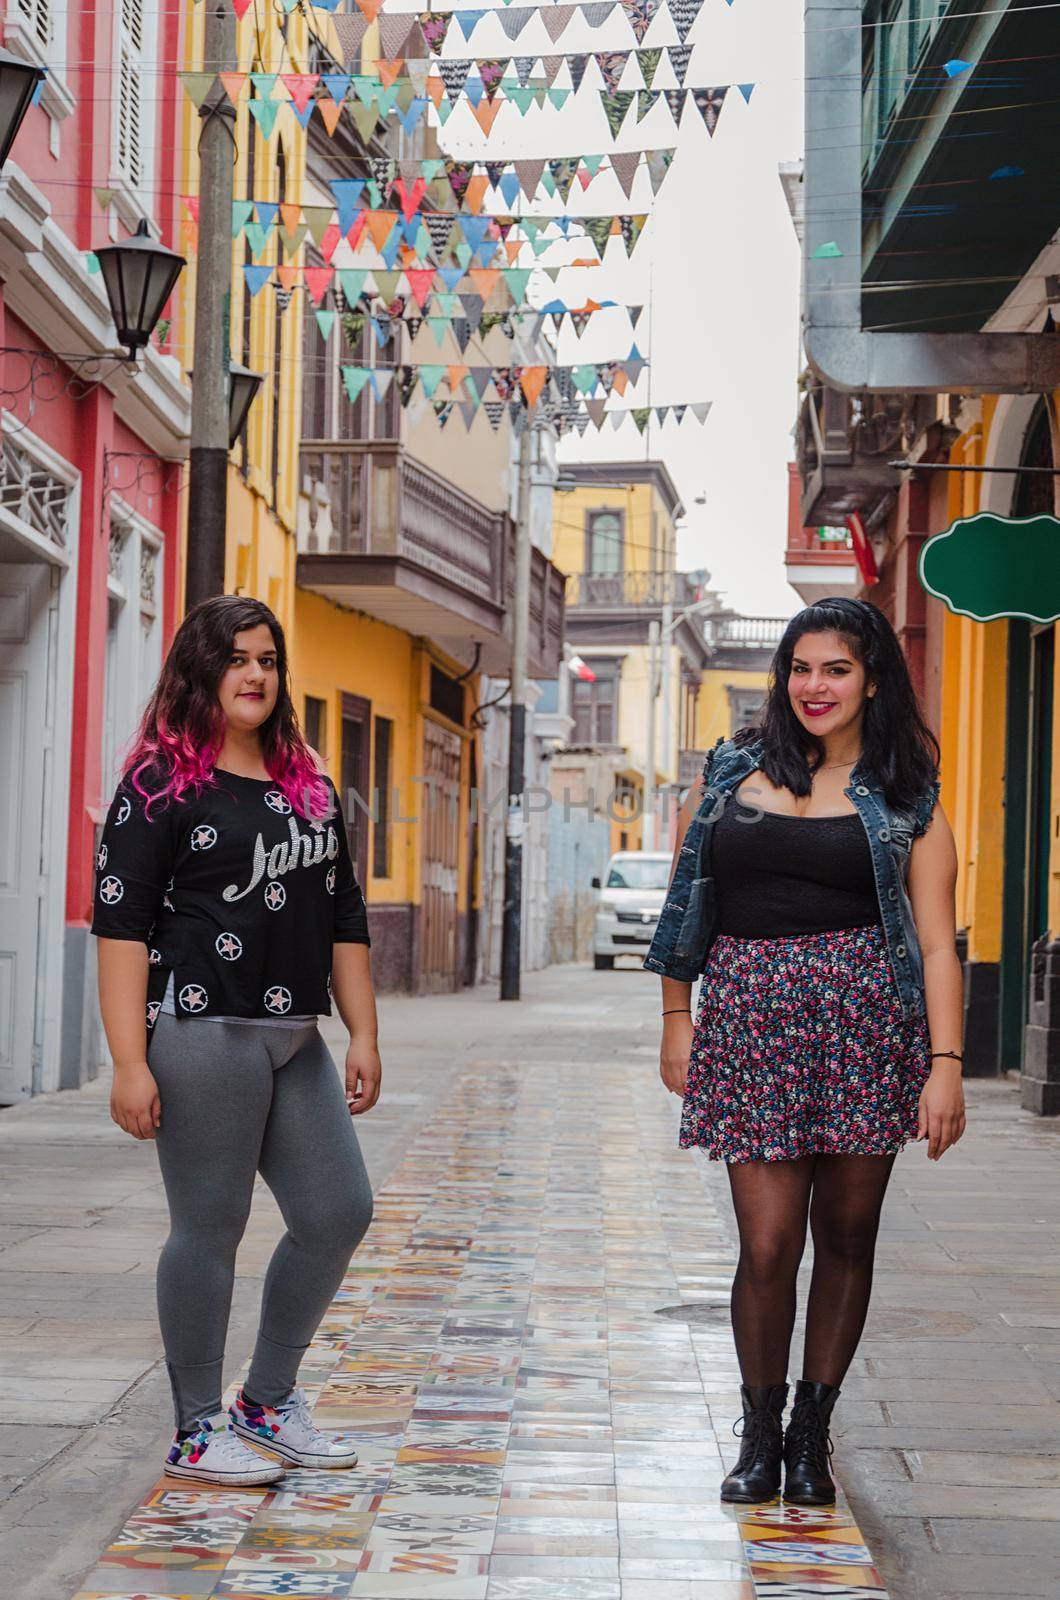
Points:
[(953, 1054), (684, 1010)]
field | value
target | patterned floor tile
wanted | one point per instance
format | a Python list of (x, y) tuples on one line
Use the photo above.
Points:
[(528, 1425)]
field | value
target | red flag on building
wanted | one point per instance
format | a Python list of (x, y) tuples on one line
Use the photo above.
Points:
[(863, 551)]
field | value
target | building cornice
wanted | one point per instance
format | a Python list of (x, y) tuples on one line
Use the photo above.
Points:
[(587, 473)]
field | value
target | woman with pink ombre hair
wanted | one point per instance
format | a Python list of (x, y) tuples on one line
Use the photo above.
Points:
[(228, 917)]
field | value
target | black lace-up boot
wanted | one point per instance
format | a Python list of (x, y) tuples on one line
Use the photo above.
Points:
[(807, 1447), (756, 1475)]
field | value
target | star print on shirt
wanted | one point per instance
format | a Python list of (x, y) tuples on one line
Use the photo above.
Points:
[(101, 858), (204, 837), (278, 998), (155, 958), (329, 881), (275, 896), (229, 945), (193, 997), (111, 891), (278, 802), (124, 811), (153, 1008)]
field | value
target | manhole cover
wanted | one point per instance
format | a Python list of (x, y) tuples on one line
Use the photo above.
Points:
[(906, 1322), (697, 1311)]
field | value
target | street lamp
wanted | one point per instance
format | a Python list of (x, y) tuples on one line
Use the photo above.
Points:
[(139, 275), (18, 84), (243, 386)]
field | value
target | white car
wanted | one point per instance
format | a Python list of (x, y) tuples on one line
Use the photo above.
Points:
[(630, 900)]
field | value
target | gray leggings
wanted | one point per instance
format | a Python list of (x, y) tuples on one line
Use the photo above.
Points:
[(238, 1100)]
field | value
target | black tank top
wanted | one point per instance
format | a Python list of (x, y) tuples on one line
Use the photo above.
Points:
[(776, 875)]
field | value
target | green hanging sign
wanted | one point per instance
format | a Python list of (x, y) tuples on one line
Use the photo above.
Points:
[(988, 567)]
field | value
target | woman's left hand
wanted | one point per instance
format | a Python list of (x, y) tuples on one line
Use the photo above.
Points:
[(941, 1113), (364, 1074)]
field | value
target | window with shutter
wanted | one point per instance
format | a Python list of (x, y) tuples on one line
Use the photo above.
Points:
[(132, 143), (39, 18)]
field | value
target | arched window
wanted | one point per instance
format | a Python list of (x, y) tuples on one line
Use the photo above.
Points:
[(605, 541)]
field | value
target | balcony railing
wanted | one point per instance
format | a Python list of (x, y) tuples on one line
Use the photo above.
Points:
[(630, 590), (750, 633), (384, 534)]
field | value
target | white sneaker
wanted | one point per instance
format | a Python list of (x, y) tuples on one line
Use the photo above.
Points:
[(289, 1429), (213, 1454)]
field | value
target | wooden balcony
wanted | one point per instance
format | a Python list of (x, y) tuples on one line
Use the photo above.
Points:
[(382, 533), (630, 591)]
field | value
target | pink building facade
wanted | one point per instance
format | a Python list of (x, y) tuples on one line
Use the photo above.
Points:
[(92, 477)]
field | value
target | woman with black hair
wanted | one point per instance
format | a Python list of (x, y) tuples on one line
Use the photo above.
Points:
[(228, 918), (812, 894)]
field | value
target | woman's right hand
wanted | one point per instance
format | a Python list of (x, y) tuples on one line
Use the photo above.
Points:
[(134, 1102), (675, 1051)]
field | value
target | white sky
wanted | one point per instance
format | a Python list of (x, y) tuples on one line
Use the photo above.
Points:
[(717, 269)]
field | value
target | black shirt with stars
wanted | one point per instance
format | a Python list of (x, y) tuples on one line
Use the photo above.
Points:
[(234, 892)]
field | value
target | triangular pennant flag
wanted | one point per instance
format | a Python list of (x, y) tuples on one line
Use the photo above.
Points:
[(233, 83), (522, 99), (431, 375), (631, 228), (389, 72), (556, 19), (702, 410), (197, 86), (596, 408), (648, 62), (318, 281), (439, 225), (354, 380), (351, 281), (616, 107), (380, 227), (256, 278), (472, 304), (370, 9), (529, 174), (421, 281), (612, 64), (679, 55), (640, 14), (596, 12), (264, 113), (683, 13), (562, 172), (292, 242), (599, 231), (494, 410), (330, 115), (241, 213), (679, 413), (364, 119), (351, 31), (708, 103), (347, 192), (434, 26), (461, 332), (658, 162), (675, 99), (288, 277), (514, 20), (394, 29), (386, 284), (337, 85), (747, 90), (264, 83), (558, 97), (325, 322), (409, 198), (624, 166), (318, 220), (491, 70), (443, 410), (300, 86), (641, 416), (455, 374), (454, 76), (577, 65), (439, 326), (661, 413), (646, 98), (468, 21), (552, 65), (486, 115)]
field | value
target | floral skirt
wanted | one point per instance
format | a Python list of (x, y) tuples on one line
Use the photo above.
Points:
[(800, 1047)]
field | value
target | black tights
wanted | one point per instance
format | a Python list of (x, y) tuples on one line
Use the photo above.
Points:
[(842, 1196)]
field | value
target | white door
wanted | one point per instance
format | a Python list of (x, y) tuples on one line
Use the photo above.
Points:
[(25, 664)]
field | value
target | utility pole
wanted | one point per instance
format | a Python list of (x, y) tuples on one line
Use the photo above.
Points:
[(511, 932), (208, 484), (648, 828), (665, 663)]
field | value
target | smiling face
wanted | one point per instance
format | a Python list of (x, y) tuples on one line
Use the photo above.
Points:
[(827, 685), (250, 684)]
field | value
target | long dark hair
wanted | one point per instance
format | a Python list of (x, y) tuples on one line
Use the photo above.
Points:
[(899, 751), (182, 730)]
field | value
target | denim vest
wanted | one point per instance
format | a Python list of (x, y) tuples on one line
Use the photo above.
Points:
[(687, 924)]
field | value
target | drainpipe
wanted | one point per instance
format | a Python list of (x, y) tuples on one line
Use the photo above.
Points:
[(839, 350)]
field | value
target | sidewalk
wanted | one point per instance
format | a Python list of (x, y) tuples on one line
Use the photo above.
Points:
[(533, 1348)]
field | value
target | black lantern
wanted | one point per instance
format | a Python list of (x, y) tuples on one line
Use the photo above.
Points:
[(138, 275), (243, 386), (18, 84)]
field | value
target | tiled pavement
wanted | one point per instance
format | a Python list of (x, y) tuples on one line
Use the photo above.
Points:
[(536, 1413)]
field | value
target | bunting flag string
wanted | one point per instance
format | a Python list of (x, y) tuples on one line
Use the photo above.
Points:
[(480, 84), (399, 30)]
